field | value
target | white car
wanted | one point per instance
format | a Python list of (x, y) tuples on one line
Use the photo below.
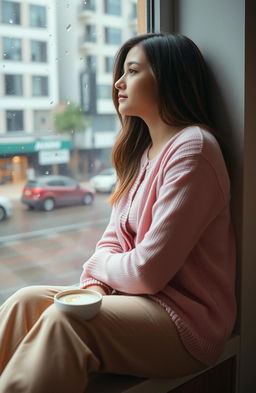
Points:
[(105, 181), (5, 207)]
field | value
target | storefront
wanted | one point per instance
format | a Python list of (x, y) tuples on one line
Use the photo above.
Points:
[(32, 156)]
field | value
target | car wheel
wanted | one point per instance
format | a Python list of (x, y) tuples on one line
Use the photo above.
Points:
[(2, 213), (87, 199), (48, 204)]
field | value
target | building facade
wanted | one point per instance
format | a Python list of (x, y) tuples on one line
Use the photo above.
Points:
[(89, 35), (29, 90)]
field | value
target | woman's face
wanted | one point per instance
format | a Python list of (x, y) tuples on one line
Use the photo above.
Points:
[(137, 87)]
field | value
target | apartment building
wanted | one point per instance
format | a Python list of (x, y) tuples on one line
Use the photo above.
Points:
[(89, 35), (29, 90)]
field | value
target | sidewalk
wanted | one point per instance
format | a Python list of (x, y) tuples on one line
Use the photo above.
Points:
[(12, 191)]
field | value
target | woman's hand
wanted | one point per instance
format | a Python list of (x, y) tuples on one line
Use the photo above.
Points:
[(97, 288)]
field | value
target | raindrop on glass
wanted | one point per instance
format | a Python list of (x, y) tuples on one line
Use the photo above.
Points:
[(11, 21), (51, 102), (68, 28), (67, 5), (66, 52), (68, 102), (5, 54), (56, 59), (3, 65), (46, 172)]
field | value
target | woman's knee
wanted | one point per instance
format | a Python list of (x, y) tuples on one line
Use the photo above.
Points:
[(30, 294)]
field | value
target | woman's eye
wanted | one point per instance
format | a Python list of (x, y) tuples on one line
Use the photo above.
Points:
[(132, 71)]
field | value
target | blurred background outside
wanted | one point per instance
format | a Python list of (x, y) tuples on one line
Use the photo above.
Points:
[(56, 118)]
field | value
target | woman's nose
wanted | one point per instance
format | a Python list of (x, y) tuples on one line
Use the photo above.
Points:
[(120, 83)]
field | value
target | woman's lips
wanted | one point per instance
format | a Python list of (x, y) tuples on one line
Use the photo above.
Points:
[(121, 98)]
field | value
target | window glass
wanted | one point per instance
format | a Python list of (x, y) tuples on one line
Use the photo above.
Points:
[(40, 85), (91, 62), (56, 183), (109, 61), (57, 118), (42, 120), (69, 183), (37, 16), (11, 12), (90, 33), (39, 51), (13, 85), (104, 91), (113, 7), (14, 120), (88, 5), (11, 48), (104, 123), (113, 35)]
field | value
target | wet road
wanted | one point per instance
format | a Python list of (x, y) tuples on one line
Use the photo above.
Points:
[(26, 223), (48, 248)]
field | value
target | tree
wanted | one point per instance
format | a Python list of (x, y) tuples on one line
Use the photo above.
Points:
[(71, 120)]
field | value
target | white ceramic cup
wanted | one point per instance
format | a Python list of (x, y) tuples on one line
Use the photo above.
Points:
[(84, 303)]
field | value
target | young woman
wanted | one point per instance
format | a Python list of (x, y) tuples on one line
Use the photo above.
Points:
[(165, 263)]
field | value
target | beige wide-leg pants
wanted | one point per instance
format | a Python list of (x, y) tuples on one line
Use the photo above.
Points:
[(44, 350)]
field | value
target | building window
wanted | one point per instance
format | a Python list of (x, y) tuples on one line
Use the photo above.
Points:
[(13, 85), (113, 35), (104, 92), (103, 123), (37, 16), (40, 86), (113, 7), (109, 62), (14, 120), (90, 33), (133, 11), (11, 48), (41, 120), (88, 5), (39, 51), (11, 12), (91, 62)]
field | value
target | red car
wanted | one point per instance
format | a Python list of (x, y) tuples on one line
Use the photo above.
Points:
[(47, 192)]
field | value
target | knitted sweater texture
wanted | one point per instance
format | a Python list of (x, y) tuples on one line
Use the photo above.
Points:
[(170, 238)]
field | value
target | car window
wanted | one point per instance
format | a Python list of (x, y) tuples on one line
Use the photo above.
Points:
[(32, 183), (70, 183), (55, 183)]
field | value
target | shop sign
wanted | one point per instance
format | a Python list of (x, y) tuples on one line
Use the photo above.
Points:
[(51, 157), (32, 147), (46, 145)]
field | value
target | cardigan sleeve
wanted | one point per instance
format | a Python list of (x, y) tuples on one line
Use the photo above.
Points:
[(189, 198)]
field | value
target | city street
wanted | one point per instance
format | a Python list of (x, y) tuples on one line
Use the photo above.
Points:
[(48, 248)]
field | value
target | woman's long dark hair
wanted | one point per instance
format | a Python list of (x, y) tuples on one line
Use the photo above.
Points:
[(181, 77)]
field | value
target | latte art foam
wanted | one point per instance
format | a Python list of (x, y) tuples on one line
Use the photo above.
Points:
[(78, 298)]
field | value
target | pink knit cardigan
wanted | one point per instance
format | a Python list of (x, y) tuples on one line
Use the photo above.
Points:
[(183, 254)]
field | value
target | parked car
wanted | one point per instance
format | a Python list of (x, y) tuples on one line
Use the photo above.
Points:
[(47, 192), (105, 181), (5, 208)]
